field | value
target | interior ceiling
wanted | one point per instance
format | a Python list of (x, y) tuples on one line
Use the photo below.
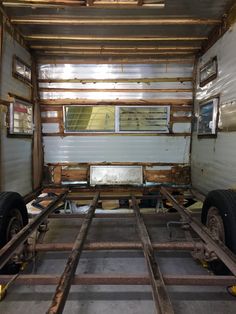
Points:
[(114, 29)]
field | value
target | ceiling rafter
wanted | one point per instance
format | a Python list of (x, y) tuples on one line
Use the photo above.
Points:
[(85, 3), (115, 48), (112, 38), (73, 21)]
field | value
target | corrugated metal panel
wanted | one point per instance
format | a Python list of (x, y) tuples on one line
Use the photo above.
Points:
[(16, 164), (113, 71), (9, 84), (117, 149), (213, 160)]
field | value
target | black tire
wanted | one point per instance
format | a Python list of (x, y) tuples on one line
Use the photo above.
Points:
[(13, 217), (225, 202)]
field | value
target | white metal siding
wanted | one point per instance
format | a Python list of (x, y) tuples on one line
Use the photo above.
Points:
[(213, 160), (116, 149), (15, 167), (9, 84)]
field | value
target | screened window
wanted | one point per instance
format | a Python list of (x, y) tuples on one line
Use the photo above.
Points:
[(21, 70), (117, 119), (207, 120), (21, 118), (89, 118), (208, 72), (149, 119)]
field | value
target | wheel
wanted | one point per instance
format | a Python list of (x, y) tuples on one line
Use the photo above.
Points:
[(14, 217), (219, 215)]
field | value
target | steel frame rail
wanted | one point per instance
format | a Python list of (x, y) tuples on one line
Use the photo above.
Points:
[(155, 279), (64, 284)]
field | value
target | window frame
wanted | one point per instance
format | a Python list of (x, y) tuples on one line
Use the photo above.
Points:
[(19, 76), (11, 132), (117, 121), (213, 76), (215, 115)]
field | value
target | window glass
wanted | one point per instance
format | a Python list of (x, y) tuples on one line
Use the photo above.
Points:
[(89, 118), (208, 72), (21, 118), (21, 70), (207, 117), (144, 119)]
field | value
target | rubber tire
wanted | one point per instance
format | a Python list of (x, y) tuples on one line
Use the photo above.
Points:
[(225, 202), (8, 202)]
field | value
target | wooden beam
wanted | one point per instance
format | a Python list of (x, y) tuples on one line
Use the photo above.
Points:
[(119, 80), (80, 3), (36, 37), (57, 60), (115, 48), (142, 102), (115, 90), (72, 21), (116, 53)]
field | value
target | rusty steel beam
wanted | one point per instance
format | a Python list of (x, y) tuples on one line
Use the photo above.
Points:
[(161, 298), (66, 278), (122, 279), (96, 246), (158, 216), (9, 249), (213, 245)]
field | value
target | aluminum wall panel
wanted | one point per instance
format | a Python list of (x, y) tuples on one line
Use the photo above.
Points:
[(113, 71), (119, 148), (116, 149), (15, 164), (15, 153), (9, 84), (213, 160)]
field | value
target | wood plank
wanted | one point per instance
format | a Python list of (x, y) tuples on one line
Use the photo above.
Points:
[(115, 90)]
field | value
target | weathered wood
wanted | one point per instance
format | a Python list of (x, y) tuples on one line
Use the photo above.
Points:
[(45, 37), (115, 90), (181, 103), (71, 20), (119, 80)]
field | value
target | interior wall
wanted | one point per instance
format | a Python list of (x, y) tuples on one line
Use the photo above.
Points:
[(165, 154), (16, 155), (213, 159)]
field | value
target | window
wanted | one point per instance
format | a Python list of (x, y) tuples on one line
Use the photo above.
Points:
[(208, 72), (207, 120), (21, 118), (144, 119), (21, 70), (89, 118), (119, 119)]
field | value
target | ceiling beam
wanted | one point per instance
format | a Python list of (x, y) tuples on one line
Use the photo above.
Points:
[(115, 48), (119, 80), (72, 21), (114, 90), (57, 60), (113, 53), (81, 4), (112, 38)]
